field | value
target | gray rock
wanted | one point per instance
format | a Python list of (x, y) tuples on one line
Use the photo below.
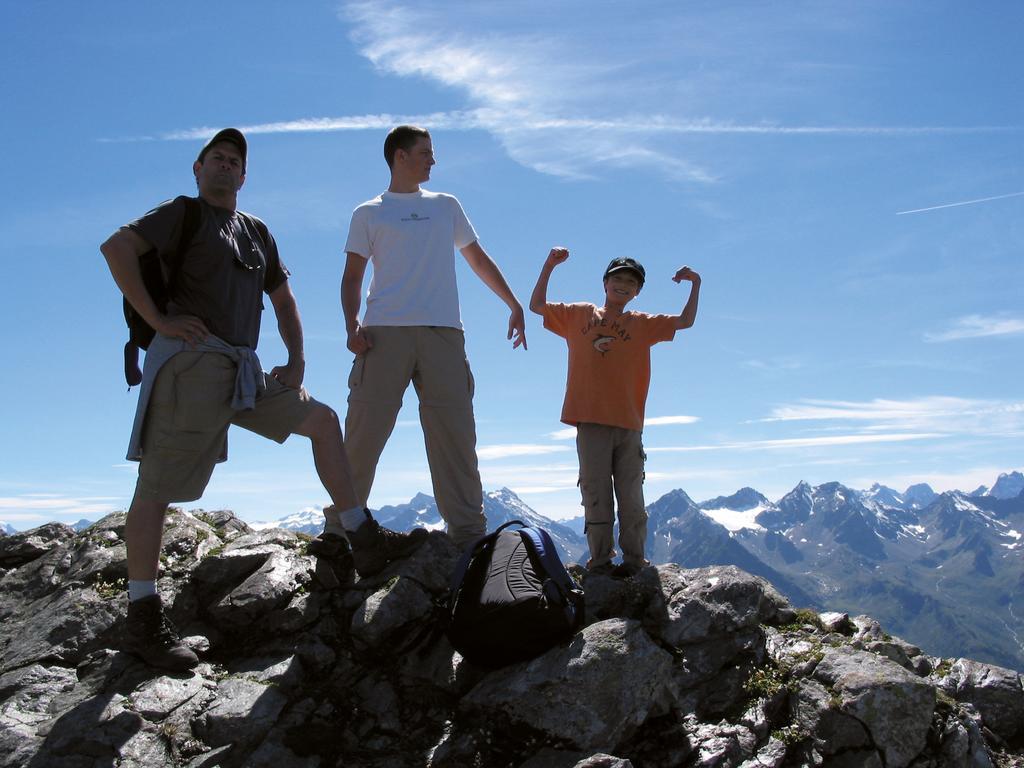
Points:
[(677, 667), (996, 692), (707, 603), (155, 699), (385, 613), (285, 673), (65, 625), (815, 716), (26, 696), (273, 754), (893, 705), (832, 621), (640, 598), (602, 760), (894, 651), (592, 693), (961, 742), (720, 744), (556, 758), (270, 587), (243, 711), (20, 548), (771, 755)]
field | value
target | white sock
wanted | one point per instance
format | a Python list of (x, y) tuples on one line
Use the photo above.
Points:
[(338, 523), (332, 521), (138, 589), (351, 519)]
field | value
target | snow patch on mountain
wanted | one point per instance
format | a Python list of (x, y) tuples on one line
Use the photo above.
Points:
[(734, 520), (307, 520)]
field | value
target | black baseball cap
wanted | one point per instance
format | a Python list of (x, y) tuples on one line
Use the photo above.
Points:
[(230, 135), (624, 262)]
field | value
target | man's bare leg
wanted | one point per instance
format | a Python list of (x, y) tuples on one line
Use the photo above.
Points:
[(373, 546), (148, 633), (143, 536), (324, 431)]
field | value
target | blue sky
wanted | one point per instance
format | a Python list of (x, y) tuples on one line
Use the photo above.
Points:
[(846, 177)]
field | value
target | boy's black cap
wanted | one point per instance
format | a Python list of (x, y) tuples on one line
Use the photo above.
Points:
[(230, 135), (624, 262)]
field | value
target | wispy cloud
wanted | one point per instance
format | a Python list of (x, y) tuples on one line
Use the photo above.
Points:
[(979, 326), (957, 205), (487, 452), (774, 365), (798, 442), (488, 119), (574, 105), (569, 433), (938, 414), (40, 507), (659, 421)]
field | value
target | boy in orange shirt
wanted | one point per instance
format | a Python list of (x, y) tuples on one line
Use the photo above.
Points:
[(606, 390)]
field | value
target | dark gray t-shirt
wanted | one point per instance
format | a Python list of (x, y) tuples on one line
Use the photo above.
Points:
[(224, 272)]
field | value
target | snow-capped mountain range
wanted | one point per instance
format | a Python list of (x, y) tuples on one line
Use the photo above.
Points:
[(499, 506), (945, 571)]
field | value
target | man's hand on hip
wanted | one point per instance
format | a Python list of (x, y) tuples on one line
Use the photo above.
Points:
[(358, 341), (187, 327), (290, 375)]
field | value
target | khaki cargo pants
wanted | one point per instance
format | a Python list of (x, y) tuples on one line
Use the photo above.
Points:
[(433, 358), (612, 458)]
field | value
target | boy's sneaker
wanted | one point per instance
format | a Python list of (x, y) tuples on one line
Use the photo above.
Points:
[(334, 563), (604, 569), (151, 636), (374, 546)]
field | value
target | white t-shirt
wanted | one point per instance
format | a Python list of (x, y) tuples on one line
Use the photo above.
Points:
[(410, 238)]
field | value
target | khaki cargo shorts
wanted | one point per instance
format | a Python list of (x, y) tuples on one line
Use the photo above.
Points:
[(187, 420)]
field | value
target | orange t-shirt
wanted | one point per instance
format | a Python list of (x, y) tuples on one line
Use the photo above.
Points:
[(609, 362)]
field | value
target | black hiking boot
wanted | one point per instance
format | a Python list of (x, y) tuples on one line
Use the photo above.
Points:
[(335, 566), (604, 569), (626, 570), (151, 636), (374, 546)]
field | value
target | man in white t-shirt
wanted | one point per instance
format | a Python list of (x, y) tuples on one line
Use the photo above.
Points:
[(412, 330)]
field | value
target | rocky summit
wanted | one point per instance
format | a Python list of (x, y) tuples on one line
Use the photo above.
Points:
[(674, 667)]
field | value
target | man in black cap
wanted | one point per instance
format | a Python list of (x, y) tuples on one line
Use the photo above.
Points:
[(605, 396), (202, 375)]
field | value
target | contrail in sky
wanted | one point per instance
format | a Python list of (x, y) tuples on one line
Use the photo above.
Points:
[(965, 202)]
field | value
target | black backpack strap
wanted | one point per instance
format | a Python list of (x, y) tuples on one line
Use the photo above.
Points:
[(189, 227)]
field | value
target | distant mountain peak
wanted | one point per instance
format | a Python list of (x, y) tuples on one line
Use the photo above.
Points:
[(1009, 485), (919, 496), (503, 493), (884, 495), (744, 499)]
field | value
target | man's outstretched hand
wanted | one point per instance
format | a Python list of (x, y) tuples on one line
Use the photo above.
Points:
[(517, 328)]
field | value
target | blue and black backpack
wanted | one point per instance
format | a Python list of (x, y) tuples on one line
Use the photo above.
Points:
[(511, 598)]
